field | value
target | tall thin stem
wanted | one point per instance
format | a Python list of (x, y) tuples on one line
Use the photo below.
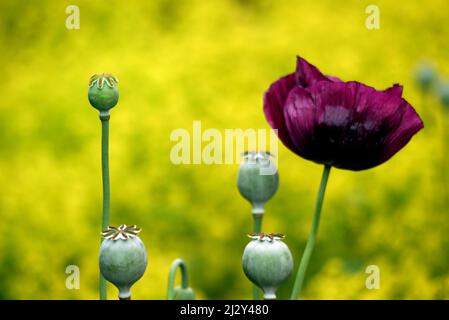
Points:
[(257, 223), (312, 236), (104, 117), (178, 263), (444, 161), (257, 228)]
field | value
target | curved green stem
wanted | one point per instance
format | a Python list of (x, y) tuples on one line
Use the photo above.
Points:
[(104, 117), (312, 236), (172, 275), (257, 228)]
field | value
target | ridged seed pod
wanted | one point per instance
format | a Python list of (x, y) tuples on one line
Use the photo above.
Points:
[(103, 93), (123, 258), (426, 76), (267, 262), (258, 179)]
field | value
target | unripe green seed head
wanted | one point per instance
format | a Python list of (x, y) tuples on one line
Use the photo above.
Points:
[(183, 294), (426, 76), (123, 258), (267, 262), (254, 185), (103, 93)]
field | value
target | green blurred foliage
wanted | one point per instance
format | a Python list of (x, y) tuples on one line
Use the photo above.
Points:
[(180, 61)]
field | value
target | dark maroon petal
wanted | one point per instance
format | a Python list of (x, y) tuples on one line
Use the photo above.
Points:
[(373, 107), (334, 102), (348, 125), (333, 78), (307, 74), (396, 90), (409, 125), (273, 106), (300, 118), (342, 136)]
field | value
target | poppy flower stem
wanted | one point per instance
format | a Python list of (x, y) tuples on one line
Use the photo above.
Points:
[(312, 236), (257, 228), (104, 117), (444, 162)]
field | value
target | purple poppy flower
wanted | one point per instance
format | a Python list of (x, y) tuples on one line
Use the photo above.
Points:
[(348, 125)]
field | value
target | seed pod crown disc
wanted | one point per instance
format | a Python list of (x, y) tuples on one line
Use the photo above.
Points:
[(123, 232)]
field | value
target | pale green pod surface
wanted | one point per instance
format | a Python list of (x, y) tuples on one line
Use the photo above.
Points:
[(258, 180), (183, 294), (426, 76), (123, 262), (103, 93), (267, 263)]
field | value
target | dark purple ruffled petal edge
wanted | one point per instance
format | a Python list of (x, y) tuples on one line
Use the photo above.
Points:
[(273, 106), (410, 124), (307, 74)]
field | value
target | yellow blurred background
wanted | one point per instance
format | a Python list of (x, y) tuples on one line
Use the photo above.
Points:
[(180, 61)]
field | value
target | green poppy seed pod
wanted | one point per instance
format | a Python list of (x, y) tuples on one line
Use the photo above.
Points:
[(258, 179), (443, 93), (183, 294), (267, 262), (426, 76), (123, 258), (103, 92)]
